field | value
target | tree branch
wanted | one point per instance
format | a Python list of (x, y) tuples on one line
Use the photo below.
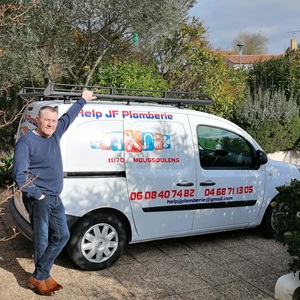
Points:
[(13, 13)]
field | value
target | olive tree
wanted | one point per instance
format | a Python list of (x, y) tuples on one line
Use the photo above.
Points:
[(67, 40), (11, 14)]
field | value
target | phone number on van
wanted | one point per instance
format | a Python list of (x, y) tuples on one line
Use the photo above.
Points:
[(152, 195), (247, 189)]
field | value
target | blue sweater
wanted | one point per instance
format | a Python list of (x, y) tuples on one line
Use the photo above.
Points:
[(39, 159)]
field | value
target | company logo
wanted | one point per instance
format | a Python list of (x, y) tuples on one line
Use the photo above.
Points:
[(132, 141), (125, 114), (29, 119)]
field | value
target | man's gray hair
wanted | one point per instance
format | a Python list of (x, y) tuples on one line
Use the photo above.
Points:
[(51, 108)]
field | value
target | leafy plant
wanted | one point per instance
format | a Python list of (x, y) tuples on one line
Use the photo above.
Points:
[(6, 163), (188, 64), (130, 75), (271, 119), (287, 221), (278, 73)]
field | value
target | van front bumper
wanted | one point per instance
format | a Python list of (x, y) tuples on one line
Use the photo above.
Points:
[(23, 226)]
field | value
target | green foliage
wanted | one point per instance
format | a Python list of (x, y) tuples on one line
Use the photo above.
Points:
[(6, 163), (10, 105), (271, 112), (130, 74), (287, 220), (67, 40), (271, 119), (189, 65), (281, 73)]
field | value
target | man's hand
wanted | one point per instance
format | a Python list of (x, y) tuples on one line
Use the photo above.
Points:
[(88, 95)]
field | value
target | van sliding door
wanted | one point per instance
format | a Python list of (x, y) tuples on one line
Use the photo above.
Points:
[(160, 171)]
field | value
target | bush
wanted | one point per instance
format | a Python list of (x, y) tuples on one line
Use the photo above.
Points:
[(287, 221), (274, 135), (6, 163), (271, 119)]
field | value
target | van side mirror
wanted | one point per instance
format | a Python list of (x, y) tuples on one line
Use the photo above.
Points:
[(261, 158)]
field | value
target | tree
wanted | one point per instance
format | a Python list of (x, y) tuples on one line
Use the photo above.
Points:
[(277, 77), (131, 75), (278, 74), (253, 43), (170, 51), (10, 14), (188, 64), (69, 39)]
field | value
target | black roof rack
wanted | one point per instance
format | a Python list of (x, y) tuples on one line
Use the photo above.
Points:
[(67, 92)]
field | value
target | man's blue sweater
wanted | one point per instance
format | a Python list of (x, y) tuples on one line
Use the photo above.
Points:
[(39, 160)]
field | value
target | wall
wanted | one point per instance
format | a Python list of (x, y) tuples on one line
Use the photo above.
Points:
[(292, 157)]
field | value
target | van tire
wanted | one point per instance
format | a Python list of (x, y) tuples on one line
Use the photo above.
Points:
[(97, 241), (267, 224)]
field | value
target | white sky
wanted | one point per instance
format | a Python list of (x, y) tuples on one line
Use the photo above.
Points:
[(274, 19)]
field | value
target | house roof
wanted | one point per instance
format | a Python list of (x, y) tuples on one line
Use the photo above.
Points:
[(249, 59)]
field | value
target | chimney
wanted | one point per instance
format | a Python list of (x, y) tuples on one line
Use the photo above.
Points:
[(293, 44)]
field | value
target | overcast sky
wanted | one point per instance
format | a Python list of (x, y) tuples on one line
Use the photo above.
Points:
[(274, 19)]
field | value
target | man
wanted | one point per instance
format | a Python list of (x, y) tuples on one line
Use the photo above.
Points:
[(38, 172)]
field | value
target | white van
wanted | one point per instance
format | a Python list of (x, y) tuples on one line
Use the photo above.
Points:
[(152, 171)]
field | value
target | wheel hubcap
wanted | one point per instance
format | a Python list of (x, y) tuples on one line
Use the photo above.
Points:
[(99, 243)]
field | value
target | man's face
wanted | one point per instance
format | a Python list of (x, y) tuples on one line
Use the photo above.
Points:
[(47, 122)]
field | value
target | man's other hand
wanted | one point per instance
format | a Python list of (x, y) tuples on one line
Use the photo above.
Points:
[(88, 95)]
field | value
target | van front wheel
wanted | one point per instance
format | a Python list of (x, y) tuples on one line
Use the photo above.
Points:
[(97, 241), (267, 224)]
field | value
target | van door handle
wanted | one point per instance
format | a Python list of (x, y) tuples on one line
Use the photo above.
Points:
[(185, 183), (207, 183)]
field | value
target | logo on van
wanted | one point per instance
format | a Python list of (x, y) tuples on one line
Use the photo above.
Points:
[(29, 119), (125, 114), (132, 141)]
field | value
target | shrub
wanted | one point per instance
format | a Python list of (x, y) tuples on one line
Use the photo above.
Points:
[(270, 119), (287, 221), (6, 163)]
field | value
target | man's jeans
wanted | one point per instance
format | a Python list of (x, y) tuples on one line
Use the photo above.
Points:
[(50, 232)]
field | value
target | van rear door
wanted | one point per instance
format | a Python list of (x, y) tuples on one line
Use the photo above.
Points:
[(160, 171)]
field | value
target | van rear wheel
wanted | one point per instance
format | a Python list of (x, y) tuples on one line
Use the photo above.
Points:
[(97, 241)]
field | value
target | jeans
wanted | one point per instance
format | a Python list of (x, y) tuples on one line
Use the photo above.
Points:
[(50, 232)]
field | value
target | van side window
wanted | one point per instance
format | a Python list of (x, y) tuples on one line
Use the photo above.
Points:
[(220, 148)]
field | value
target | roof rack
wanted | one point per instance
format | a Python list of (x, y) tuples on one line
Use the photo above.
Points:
[(68, 92)]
